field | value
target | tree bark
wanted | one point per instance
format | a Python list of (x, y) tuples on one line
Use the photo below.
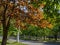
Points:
[(18, 36), (44, 37), (5, 31), (55, 36), (6, 25), (4, 39)]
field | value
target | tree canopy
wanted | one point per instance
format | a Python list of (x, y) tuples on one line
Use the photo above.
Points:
[(41, 13)]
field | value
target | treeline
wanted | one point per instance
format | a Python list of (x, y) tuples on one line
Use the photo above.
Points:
[(41, 32)]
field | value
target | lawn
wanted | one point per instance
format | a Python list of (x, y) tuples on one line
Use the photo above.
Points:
[(13, 43)]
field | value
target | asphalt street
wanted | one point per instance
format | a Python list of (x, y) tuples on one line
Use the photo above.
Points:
[(35, 42)]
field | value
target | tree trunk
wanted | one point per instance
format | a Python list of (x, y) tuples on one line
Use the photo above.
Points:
[(44, 37), (5, 27), (55, 36), (18, 36), (4, 39)]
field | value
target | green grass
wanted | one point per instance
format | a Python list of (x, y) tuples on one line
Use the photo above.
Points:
[(13, 43)]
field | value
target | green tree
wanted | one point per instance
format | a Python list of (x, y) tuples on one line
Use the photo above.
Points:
[(56, 30)]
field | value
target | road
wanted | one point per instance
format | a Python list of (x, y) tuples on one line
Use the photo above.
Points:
[(36, 43)]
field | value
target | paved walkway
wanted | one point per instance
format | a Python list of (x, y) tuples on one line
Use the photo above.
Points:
[(36, 43)]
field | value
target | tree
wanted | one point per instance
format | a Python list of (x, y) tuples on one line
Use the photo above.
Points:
[(18, 10), (52, 14), (56, 31)]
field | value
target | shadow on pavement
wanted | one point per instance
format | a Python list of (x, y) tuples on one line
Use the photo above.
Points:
[(52, 43)]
